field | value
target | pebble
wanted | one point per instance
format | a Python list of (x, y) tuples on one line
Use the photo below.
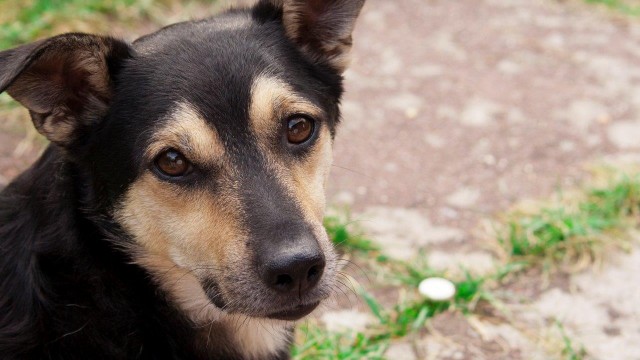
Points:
[(437, 289)]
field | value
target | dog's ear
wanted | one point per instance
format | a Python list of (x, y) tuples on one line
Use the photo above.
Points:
[(321, 28), (65, 81)]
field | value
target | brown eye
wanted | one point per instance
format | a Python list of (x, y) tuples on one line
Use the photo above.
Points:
[(172, 163), (299, 129)]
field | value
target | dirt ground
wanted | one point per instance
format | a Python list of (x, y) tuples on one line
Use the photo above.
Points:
[(457, 110)]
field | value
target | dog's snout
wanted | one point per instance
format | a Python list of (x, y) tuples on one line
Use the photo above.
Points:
[(294, 272)]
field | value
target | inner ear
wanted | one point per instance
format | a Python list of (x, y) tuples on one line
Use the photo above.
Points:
[(65, 81), (321, 28)]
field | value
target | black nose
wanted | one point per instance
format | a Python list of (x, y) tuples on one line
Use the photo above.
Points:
[(294, 272)]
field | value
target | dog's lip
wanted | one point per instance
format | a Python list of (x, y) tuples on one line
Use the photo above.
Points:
[(294, 313)]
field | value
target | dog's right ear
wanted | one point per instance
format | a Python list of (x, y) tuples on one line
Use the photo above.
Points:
[(65, 81)]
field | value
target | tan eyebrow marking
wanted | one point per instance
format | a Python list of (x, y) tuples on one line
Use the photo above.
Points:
[(187, 131), (271, 100)]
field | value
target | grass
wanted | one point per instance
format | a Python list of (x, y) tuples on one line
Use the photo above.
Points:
[(22, 21), (317, 343), (346, 235), (407, 317), (570, 351), (566, 233), (627, 7)]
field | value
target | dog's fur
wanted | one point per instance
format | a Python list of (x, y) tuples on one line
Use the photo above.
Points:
[(102, 255)]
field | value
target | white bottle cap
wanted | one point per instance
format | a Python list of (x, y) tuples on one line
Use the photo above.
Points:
[(437, 289)]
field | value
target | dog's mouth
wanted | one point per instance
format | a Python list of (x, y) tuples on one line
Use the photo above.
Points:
[(294, 313), (212, 289), (290, 313)]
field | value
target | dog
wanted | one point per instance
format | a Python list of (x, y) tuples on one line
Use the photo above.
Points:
[(177, 212)]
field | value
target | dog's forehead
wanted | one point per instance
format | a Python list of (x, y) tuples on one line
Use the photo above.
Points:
[(214, 65), (210, 67)]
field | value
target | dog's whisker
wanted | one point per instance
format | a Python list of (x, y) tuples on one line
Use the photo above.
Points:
[(353, 171)]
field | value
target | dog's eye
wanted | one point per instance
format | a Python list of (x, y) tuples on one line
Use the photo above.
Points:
[(299, 129), (172, 163)]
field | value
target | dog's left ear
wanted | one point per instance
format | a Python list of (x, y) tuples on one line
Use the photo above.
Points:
[(65, 81), (321, 28)]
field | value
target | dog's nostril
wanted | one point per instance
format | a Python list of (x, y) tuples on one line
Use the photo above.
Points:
[(284, 281), (313, 273)]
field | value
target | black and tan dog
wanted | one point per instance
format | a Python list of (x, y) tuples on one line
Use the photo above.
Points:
[(177, 213)]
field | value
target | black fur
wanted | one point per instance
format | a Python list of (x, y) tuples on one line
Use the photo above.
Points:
[(68, 288)]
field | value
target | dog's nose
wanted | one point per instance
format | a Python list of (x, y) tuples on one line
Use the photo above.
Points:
[(294, 272)]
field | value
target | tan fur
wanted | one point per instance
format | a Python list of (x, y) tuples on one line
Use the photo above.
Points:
[(180, 231), (189, 133), (183, 287), (183, 226), (309, 177), (272, 101), (176, 233), (258, 338)]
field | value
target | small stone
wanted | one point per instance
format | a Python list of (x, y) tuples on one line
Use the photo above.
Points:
[(411, 113), (479, 112), (444, 43), (426, 71), (625, 134), (437, 289), (434, 141), (567, 146), (509, 67), (489, 159), (554, 41), (449, 213), (583, 113), (404, 101), (464, 198), (391, 167)]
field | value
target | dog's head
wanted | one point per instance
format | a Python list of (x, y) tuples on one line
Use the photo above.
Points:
[(208, 143)]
